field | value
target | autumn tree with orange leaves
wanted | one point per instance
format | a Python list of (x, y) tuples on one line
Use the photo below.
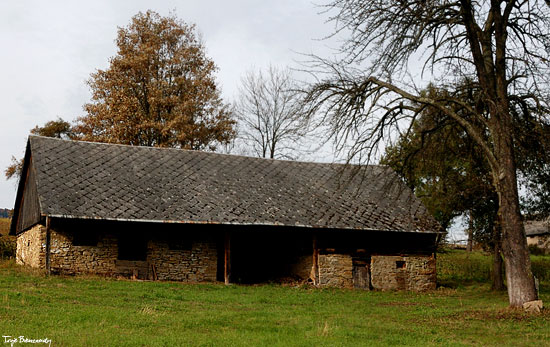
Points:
[(159, 90)]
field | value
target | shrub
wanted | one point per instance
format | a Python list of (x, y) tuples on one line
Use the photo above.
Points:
[(540, 265), (458, 267), (7, 243), (4, 226), (7, 247), (535, 250)]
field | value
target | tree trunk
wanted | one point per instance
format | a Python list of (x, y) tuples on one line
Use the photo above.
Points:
[(496, 274), (520, 281)]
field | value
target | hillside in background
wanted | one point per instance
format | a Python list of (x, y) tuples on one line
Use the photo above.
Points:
[(5, 213)]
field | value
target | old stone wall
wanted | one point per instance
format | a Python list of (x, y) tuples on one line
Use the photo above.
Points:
[(70, 259), (416, 273), (31, 247), (335, 270), (197, 264)]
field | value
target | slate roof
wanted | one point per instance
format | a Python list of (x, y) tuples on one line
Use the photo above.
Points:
[(116, 182)]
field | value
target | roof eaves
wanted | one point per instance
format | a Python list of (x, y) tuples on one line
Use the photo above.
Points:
[(227, 223)]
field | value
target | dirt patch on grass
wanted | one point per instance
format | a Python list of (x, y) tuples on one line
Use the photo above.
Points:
[(508, 314), (404, 304)]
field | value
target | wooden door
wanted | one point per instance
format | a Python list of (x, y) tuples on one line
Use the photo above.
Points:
[(361, 274)]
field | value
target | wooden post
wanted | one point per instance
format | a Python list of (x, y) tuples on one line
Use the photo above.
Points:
[(315, 266), (48, 247), (154, 269), (227, 258)]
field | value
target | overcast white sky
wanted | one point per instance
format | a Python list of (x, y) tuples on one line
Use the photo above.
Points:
[(49, 48)]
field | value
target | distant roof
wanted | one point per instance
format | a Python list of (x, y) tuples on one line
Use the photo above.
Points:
[(533, 228), (76, 179)]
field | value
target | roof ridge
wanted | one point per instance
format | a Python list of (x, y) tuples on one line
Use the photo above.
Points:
[(207, 152)]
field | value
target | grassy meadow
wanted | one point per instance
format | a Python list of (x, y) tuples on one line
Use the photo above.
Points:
[(93, 311)]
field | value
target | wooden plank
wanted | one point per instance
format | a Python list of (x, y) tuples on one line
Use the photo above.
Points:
[(361, 275), (29, 207), (227, 258)]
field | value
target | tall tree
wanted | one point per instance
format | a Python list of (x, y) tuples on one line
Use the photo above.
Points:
[(448, 172), (159, 90), (270, 114), (502, 47)]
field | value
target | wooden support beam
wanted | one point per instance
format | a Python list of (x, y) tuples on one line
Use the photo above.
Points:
[(227, 258), (315, 266), (48, 245)]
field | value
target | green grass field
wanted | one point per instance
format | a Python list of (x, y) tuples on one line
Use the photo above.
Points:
[(78, 311)]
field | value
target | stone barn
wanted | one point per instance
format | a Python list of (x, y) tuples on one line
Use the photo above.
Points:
[(538, 234), (178, 215)]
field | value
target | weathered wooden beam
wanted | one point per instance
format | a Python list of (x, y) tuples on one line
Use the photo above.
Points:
[(227, 258), (154, 269), (48, 246)]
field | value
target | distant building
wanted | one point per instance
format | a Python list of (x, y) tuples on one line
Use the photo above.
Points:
[(538, 234), (5, 213), (171, 214)]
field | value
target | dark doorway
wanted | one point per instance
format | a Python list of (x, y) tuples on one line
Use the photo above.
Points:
[(264, 256)]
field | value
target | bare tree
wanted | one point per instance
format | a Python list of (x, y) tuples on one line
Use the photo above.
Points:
[(269, 113), (501, 47)]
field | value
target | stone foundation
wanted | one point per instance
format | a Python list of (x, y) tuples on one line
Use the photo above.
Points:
[(31, 247), (335, 270), (415, 273)]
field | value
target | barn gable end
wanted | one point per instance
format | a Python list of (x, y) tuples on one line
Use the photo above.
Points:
[(27, 210)]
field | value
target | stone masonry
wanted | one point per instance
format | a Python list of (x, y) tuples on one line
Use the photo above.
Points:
[(67, 258), (195, 265), (198, 262), (31, 247), (415, 273), (335, 270)]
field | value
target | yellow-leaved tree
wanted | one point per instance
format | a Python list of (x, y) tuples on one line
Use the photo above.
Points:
[(159, 90)]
